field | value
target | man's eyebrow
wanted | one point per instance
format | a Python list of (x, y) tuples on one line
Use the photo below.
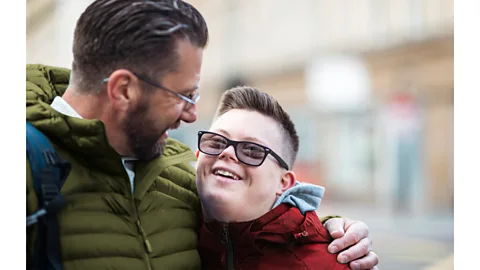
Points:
[(191, 89)]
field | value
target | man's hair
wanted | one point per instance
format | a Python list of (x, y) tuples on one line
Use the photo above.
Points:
[(138, 35), (249, 98)]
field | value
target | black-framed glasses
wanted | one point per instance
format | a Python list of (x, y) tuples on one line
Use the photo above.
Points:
[(192, 99), (249, 153)]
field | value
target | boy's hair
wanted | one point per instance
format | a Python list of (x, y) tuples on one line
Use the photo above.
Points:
[(249, 98)]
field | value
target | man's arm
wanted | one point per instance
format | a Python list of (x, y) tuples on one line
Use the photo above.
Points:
[(352, 241)]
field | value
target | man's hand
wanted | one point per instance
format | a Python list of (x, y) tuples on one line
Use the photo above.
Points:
[(352, 238)]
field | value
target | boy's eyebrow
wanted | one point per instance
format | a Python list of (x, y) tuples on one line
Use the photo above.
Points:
[(247, 138)]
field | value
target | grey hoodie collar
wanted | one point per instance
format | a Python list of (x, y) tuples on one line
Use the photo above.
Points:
[(304, 196)]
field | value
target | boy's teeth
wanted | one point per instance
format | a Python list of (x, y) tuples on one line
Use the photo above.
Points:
[(227, 174)]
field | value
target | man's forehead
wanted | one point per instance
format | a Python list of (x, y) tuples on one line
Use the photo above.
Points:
[(186, 76)]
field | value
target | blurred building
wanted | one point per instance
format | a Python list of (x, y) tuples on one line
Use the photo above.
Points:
[(369, 84), (397, 149)]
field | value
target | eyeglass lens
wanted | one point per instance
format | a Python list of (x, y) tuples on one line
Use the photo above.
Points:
[(246, 152)]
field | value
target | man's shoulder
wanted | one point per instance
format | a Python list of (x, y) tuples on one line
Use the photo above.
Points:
[(174, 147), (45, 70), (179, 155), (45, 82), (178, 159), (39, 74)]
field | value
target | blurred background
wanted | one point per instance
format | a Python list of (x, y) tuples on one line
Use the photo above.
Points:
[(369, 84)]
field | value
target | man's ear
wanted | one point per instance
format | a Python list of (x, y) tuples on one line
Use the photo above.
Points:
[(288, 180), (122, 89)]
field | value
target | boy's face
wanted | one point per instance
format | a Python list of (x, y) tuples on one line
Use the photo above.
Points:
[(253, 190)]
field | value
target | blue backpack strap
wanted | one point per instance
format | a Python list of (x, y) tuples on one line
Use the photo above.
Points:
[(49, 172)]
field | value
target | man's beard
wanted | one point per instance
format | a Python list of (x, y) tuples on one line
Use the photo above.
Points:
[(144, 141)]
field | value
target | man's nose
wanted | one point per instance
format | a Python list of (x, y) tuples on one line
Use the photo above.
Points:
[(189, 115)]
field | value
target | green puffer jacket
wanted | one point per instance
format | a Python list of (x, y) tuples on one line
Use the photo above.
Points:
[(103, 225)]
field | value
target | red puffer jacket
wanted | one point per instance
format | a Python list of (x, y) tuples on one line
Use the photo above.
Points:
[(281, 239)]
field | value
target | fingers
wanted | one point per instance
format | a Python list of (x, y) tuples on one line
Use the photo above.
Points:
[(370, 261), (335, 227), (360, 249), (355, 232)]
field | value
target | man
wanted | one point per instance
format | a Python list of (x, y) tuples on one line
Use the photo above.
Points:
[(132, 199)]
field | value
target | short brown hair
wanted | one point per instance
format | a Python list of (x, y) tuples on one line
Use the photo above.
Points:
[(139, 35), (249, 98)]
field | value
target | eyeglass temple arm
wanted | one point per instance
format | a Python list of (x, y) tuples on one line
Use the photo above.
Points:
[(280, 160)]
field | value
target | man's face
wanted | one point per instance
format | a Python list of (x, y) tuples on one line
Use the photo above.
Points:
[(159, 111), (255, 191)]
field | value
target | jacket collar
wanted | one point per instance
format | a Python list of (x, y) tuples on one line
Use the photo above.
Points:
[(283, 225)]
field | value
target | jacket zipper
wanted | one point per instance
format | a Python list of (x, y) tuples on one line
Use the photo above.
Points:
[(143, 235), (146, 243), (227, 241)]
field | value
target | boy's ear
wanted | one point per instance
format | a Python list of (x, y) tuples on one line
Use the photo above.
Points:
[(288, 180)]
